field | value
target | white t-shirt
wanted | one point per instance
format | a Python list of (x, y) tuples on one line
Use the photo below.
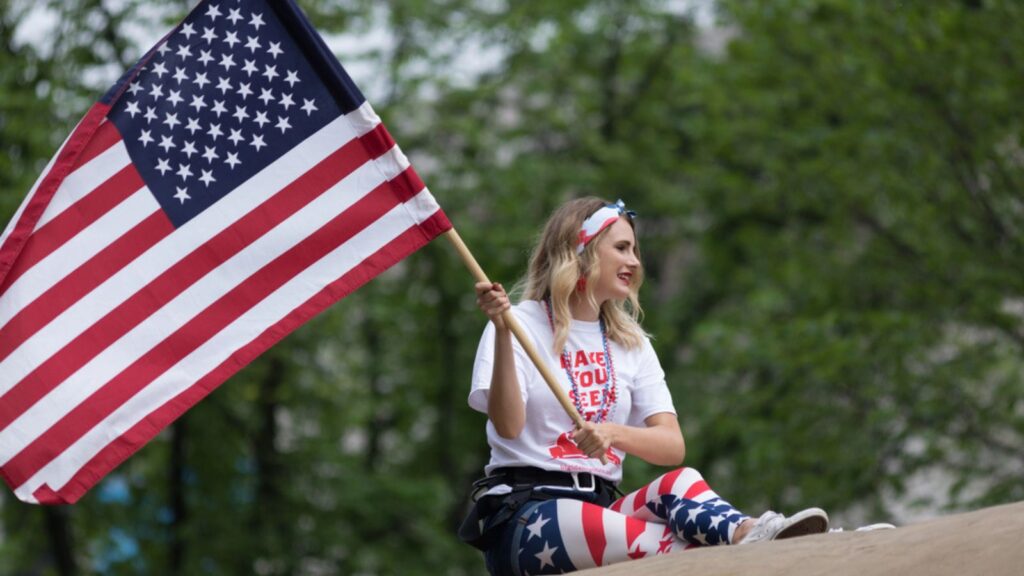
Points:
[(544, 443)]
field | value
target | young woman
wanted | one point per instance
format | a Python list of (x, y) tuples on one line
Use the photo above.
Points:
[(549, 501)]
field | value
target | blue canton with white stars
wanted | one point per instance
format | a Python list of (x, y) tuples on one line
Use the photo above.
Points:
[(226, 94), (706, 523)]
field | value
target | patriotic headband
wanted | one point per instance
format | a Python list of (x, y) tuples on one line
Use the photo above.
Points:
[(604, 217)]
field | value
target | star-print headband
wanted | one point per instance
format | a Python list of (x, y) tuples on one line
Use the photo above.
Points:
[(604, 217)]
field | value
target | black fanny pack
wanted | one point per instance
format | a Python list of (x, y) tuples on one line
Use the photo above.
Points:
[(489, 514)]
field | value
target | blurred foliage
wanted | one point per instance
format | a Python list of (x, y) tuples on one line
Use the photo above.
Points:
[(831, 212)]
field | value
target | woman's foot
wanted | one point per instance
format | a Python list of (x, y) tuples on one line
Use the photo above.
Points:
[(775, 526)]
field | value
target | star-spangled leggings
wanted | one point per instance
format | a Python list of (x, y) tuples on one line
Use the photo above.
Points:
[(674, 512)]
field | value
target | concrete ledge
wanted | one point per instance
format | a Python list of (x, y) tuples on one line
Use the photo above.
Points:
[(986, 542)]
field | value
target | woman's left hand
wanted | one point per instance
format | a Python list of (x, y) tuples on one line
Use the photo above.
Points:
[(593, 439)]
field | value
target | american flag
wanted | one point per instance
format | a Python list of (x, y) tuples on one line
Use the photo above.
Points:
[(230, 186)]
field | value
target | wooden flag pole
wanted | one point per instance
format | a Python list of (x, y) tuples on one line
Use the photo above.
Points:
[(517, 331)]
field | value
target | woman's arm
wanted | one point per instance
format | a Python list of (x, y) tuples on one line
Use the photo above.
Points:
[(504, 400), (660, 442)]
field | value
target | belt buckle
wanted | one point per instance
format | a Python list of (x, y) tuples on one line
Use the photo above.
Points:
[(576, 482)]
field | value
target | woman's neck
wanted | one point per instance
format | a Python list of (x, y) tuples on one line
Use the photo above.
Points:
[(581, 309)]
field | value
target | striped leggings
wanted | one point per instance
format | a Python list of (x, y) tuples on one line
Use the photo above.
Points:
[(674, 512)]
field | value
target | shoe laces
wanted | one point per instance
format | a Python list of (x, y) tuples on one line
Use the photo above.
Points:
[(765, 528)]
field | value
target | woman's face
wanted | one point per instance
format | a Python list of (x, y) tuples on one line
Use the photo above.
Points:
[(617, 262)]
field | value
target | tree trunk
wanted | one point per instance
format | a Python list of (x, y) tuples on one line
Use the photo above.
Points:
[(446, 345), (269, 516), (58, 526), (379, 420), (176, 497)]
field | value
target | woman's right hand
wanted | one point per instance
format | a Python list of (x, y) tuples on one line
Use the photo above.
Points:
[(493, 301)]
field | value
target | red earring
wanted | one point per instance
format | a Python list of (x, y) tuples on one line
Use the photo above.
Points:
[(581, 284)]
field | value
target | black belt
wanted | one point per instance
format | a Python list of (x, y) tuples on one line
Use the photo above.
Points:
[(486, 520), (528, 475)]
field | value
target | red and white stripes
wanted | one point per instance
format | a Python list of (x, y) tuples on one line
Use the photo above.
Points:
[(685, 482)]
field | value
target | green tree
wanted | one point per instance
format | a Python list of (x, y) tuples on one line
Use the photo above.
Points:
[(859, 180)]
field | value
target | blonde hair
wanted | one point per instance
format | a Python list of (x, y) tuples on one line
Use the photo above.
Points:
[(555, 269)]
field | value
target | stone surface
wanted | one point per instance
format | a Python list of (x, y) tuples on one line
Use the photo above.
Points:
[(987, 542)]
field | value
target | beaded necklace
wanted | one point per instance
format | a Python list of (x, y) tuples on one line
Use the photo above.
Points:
[(609, 392)]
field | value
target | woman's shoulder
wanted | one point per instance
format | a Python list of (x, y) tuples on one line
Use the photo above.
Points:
[(533, 317), (530, 309)]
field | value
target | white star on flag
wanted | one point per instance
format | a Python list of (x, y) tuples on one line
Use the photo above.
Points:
[(207, 177), (171, 120), (166, 143), (257, 141), (163, 166), (227, 61)]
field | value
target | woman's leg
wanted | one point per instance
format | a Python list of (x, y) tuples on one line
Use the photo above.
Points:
[(675, 512), (564, 535), (684, 501)]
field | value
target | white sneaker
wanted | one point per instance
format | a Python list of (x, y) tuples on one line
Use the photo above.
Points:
[(775, 526)]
